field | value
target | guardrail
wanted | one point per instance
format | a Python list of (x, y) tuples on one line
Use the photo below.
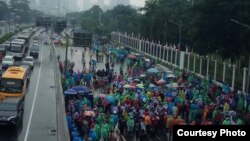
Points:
[(62, 127), (203, 66)]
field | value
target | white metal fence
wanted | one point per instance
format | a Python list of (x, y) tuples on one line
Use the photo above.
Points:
[(171, 55)]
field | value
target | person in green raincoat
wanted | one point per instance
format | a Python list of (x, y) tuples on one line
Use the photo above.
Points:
[(239, 122), (241, 104), (86, 101), (117, 99), (207, 100), (111, 124), (100, 118), (130, 124), (98, 131), (226, 121), (190, 78), (72, 81), (196, 94), (105, 131)]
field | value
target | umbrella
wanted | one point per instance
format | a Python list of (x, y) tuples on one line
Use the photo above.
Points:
[(137, 80), (102, 95), (161, 81), (142, 75), (171, 76), (130, 78), (126, 86), (81, 89), (139, 85), (131, 56), (110, 99), (132, 86), (70, 92), (173, 85), (89, 113), (123, 82), (152, 86), (152, 70)]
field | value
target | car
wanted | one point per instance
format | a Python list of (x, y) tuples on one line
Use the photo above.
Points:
[(34, 52), (35, 42), (11, 111), (46, 42), (29, 60), (36, 37), (8, 60)]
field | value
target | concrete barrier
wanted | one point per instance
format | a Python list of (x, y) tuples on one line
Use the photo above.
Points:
[(62, 127)]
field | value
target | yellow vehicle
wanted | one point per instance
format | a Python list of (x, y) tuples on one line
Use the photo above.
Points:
[(14, 82)]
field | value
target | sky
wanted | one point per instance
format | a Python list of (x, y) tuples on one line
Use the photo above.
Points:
[(139, 3)]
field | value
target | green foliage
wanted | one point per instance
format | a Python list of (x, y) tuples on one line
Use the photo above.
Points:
[(6, 37), (206, 25), (20, 12), (212, 31)]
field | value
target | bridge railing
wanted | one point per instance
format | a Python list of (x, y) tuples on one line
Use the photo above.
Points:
[(203, 66)]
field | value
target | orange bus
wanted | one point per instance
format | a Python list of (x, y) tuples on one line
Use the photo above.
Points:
[(14, 82)]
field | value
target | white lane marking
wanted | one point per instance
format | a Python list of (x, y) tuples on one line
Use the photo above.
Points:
[(34, 99)]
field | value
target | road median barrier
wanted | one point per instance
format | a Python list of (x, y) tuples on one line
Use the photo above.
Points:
[(62, 127)]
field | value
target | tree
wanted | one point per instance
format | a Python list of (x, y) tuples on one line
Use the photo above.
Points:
[(213, 32)]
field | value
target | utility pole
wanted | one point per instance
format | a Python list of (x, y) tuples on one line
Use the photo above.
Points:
[(66, 54), (248, 76), (180, 28)]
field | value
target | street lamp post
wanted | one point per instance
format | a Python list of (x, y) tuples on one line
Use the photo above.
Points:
[(246, 26), (9, 7), (248, 75), (66, 54), (180, 28)]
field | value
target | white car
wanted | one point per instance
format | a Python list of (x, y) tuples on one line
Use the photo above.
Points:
[(35, 43), (29, 60), (8, 60)]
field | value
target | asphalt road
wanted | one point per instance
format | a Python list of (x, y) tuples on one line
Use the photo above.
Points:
[(75, 55), (40, 104)]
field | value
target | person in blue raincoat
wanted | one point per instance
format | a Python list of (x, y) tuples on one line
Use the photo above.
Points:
[(74, 133), (78, 138), (92, 135), (88, 78), (115, 117), (67, 74), (75, 77), (71, 82), (69, 121)]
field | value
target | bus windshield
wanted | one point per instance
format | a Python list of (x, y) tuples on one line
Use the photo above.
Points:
[(16, 48), (11, 85)]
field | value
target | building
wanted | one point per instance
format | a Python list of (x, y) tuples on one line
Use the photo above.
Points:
[(6, 1), (114, 3), (72, 6), (48, 6), (33, 4), (86, 4), (101, 3)]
